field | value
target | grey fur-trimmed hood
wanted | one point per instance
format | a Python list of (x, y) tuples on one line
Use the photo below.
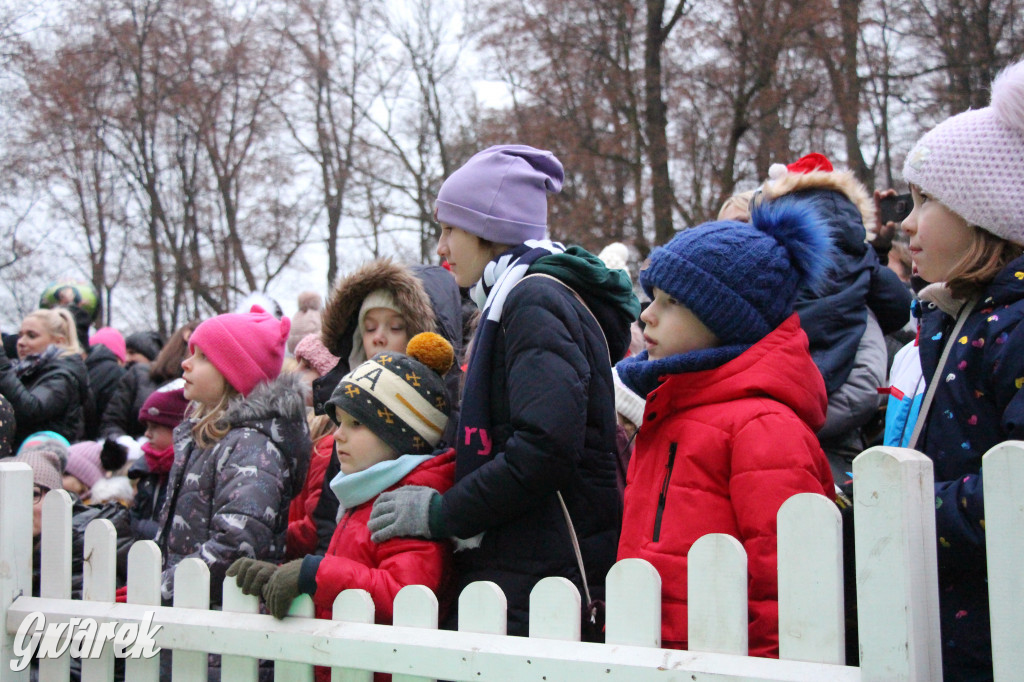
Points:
[(284, 397)]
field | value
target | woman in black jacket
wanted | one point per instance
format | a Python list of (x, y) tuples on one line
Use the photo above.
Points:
[(537, 427), (47, 384)]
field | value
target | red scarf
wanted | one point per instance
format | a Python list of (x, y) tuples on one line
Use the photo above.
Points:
[(159, 461)]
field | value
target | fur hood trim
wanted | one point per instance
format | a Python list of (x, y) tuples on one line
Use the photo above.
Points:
[(843, 182), (284, 397), (339, 317)]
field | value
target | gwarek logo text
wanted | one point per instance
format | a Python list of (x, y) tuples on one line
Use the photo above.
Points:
[(83, 638)]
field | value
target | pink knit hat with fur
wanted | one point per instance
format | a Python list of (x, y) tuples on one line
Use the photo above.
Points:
[(247, 348), (312, 350)]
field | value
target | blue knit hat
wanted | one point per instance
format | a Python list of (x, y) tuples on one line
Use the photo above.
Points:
[(741, 279)]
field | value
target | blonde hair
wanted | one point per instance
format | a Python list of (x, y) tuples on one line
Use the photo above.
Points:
[(210, 423), (58, 322), (739, 202), (986, 255)]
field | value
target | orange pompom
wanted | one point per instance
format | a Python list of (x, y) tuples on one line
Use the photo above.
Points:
[(432, 350)]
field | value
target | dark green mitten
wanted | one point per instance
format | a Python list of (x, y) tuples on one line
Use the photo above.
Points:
[(282, 588), (251, 574)]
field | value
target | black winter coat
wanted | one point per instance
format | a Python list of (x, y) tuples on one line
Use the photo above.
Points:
[(552, 418), (49, 397), (104, 374), (121, 417), (150, 493)]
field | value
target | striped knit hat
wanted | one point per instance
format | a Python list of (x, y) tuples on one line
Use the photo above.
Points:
[(400, 397)]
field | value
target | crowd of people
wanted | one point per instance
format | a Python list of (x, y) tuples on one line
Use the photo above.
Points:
[(518, 413)]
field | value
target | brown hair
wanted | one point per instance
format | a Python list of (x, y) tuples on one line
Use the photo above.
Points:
[(985, 257), (167, 364)]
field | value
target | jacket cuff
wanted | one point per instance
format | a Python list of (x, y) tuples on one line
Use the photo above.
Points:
[(307, 574), (435, 517)]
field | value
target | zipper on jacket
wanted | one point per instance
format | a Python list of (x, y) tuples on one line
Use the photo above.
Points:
[(664, 491)]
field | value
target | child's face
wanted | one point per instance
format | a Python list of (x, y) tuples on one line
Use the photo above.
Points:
[(672, 328), (203, 382), (160, 437), (357, 446), (384, 329), (938, 237), (466, 254)]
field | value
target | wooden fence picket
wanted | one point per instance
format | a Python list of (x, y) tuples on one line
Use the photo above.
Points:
[(15, 554), (144, 563), (717, 595), (897, 575), (99, 580), (353, 606), (55, 570), (415, 607), (238, 668), (194, 577), (287, 671), (555, 610), (1004, 541), (811, 626), (633, 604), (483, 608)]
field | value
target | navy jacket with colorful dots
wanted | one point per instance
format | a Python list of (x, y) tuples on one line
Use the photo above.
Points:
[(978, 404)]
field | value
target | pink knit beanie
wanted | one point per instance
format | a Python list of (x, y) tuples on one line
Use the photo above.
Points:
[(973, 163), (84, 462), (312, 350), (247, 348), (112, 339)]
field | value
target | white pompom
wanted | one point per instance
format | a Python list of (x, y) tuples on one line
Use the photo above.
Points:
[(776, 171), (1008, 96)]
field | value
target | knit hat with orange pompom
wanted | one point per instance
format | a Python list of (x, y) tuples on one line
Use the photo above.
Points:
[(400, 397)]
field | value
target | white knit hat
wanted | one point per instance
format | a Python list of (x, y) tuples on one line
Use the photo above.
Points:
[(627, 403), (973, 163)]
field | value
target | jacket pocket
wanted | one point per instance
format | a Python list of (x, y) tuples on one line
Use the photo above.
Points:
[(663, 496)]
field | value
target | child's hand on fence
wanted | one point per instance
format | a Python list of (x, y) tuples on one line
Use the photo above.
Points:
[(282, 588), (252, 575), (401, 513)]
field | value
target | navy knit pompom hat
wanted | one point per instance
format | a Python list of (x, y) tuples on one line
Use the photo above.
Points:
[(741, 279)]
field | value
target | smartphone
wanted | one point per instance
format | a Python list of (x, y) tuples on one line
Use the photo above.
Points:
[(895, 208)]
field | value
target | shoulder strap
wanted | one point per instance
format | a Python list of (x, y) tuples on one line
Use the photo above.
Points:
[(933, 385), (579, 298)]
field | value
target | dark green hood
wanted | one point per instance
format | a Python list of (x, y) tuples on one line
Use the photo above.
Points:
[(608, 293)]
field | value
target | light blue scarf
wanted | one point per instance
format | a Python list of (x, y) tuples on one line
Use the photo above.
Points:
[(358, 487)]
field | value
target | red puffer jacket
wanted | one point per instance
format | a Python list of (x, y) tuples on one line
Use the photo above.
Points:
[(302, 537), (719, 452)]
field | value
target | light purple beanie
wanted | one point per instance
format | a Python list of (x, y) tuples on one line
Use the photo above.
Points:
[(501, 193)]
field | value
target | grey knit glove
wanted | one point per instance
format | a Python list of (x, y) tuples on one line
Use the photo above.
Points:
[(401, 513), (282, 588)]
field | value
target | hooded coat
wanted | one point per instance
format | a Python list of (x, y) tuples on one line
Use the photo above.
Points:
[(48, 397), (552, 429), (725, 447), (977, 405), (429, 300), (835, 315), (105, 371), (231, 499), (121, 416)]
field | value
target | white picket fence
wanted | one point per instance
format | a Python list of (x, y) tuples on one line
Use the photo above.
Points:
[(896, 584)]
